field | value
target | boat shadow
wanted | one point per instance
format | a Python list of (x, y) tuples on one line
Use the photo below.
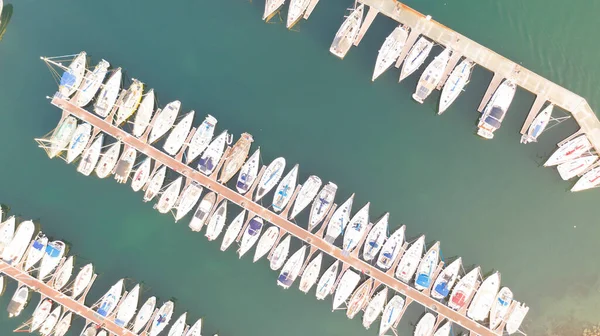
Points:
[(7, 12)]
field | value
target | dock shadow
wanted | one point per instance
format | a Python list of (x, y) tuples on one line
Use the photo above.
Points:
[(7, 12)]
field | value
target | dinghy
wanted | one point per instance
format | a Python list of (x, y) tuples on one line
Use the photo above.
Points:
[(495, 111), (233, 230), (144, 114), (291, 269), (108, 160), (359, 298), (390, 51), (516, 318), (296, 11), (141, 175), (63, 325), (129, 102), (144, 315), (345, 288), (71, 79), (108, 95), (196, 329), (179, 134), (425, 325), (311, 273), (375, 238), (307, 193), (391, 314), (499, 310), (455, 84), (570, 169), (248, 173), (250, 235), (217, 222), (327, 281), (391, 249), (53, 254), (164, 120), (50, 321), (155, 183), (446, 280), (280, 253), (356, 228), (91, 156), (212, 155), (285, 190), (427, 267), (109, 301), (40, 314), (538, 125), (125, 164), (202, 212), (321, 205), (168, 198), (236, 157), (82, 280), (479, 309), (79, 140), (410, 260), (266, 242), (178, 327), (374, 308), (91, 84), (61, 136), (431, 77), (201, 138), (271, 176), (348, 32), (128, 307), (7, 232), (339, 220), (189, 197), (63, 275), (36, 250), (416, 56), (18, 301), (162, 318), (589, 180), (14, 251), (464, 289)]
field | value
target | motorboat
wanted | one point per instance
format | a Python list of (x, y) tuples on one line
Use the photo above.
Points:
[(144, 114), (63, 274), (311, 273), (426, 325), (291, 269), (320, 207), (500, 307), (572, 149), (410, 260), (50, 321), (455, 84), (79, 140), (432, 76), (129, 102), (109, 301), (575, 167), (202, 212), (538, 125), (82, 280), (7, 232), (233, 230), (217, 221), (427, 267), (280, 254), (168, 198), (201, 139), (270, 178), (90, 157), (236, 157), (14, 251), (108, 95), (62, 135), (125, 164), (178, 327), (251, 235), (416, 57), (306, 195), (141, 175), (446, 279), (285, 190), (266, 242), (128, 307), (212, 155), (144, 315), (464, 289), (162, 318), (589, 180), (391, 313), (248, 173), (348, 32), (391, 249), (108, 160), (327, 281), (155, 183), (40, 314), (359, 298), (479, 309), (339, 220), (390, 50), (495, 111), (345, 288), (18, 301), (179, 134), (91, 84), (189, 197), (36, 250), (53, 253), (356, 228), (375, 238), (164, 120), (71, 79), (516, 318), (374, 308)]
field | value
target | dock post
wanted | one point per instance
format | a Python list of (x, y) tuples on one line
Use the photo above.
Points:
[(451, 65), (490, 90), (186, 143), (371, 14), (540, 99), (412, 38)]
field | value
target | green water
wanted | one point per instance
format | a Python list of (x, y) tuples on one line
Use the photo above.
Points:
[(488, 201)]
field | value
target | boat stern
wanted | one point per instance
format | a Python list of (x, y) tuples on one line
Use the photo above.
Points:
[(485, 133)]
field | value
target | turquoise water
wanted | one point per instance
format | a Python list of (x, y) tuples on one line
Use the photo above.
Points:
[(488, 201)]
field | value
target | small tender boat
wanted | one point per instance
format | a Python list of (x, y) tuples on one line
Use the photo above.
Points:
[(162, 318), (13, 253), (7, 232), (307, 193), (217, 222), (359, 298), (345, 288), (168, 198), (479, 309), (390, 51), (91, 156), (109, 301), (201, 138), (495, 111), (142, 174), (416, 56), (248, 173), (36, 250), (50, 321), (311, 273), (196, 329), (144, 315), (233, 230), (348, 32), (455, 84), (63, 275), (499, 310), (108, 95), (164, 120), (91, 84), (144, 114), (339, 220), (321, 205), (410, 260), (427, 267), (431, 77), (356, 229), (128, 307), (82, 280), (391, 314), (516, 318), (327, 281), (63, 325), (573, 149), (266, 242), (237, 156), (40, 314), (178, 135), (72, 78), (178, 327), (291, 269), (425, 325), (79, 140), (444, 330), (212, 155), (270, 177), (589, 180), (18, 301), (570, 169), (374, 308), (538, 125), (271, 8), (125, 164), (250, 235), (463, 290), (280, 253), (108, 160), (202, 212), (129, 102), (391, 249), (53, 254), (375, 238), (155, 183), (189, 197), (285, 190), (446, 280), (61, 136), (296, 11)]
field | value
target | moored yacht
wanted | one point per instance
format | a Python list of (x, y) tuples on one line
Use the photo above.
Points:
[(144, 315), (125, 164), (500, 307), (141, 175), (495, 111), (82, 280), (72, 78), (155, 183), (50, 321), (291, 269), (307, 193), (426, 325), (285, 190), (374, 308), (359, 298), (356, 228), (63, 325), (375, 238), (280, 253), (270, 177), (164, 120), (311, 273), (79, 140), (40, 314), (266, 242), (589, 180), (128, 307), (7, 232), (345, 288), (202, 212), (212, 155), (178, 327), (201, 139), (348, 32), (427, 267), (162, 318), (63, 274), (390, 51), (195, 329), (446, 280), (109, 301), (53, 253), (391, 249), (18, 301), (14, 251), (144, 114), (416, 56), (431, 77), (339, 220), (129, 102), (464, 289), (236, 157), (91, 84), (36, 250), (217, 221), (479, 309), (295, 12), (189, 197), (321, 205), (108, 160), (61, 136), (578, 166), (271, 8), (233, 230), (455, 84), (516, 318), (251, 235), (444, 330), (108, 95), (391, 314), (572, 149), (178, 134), (538, 125), (248, 173), (91, 156), (410, 260), (327, 281)]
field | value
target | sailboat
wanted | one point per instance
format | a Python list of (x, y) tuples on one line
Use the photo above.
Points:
[(217, 222), (178, 327), (374, 308), (280, 253), (141, 175), (578, 166), (410, 260), (168, 198), (212, 155), (128, 307), (348, 32), (391, 249), (479, 309), (416, 56), (427, 267), (144, 114), (390, 51), (455, 84), (463, 289), (40, 314), (79, 140), (359, 298), (446, 280), (155, 183), (63, 274), (82, 280), (13, 252), (500, 307), (589, 180), (271, 8), (248, 173), (91, 83), (356, 228), (307, 193), (391, 313), (345, 288), (91, 156), (201, 138), (125, 164), (251, 235), (63, 325), (164, 120), (266, 242), (495, 110), (7, 232), (327, 281), (291, 269), (339, 220), (178, 134), (375, 238), (444, 330), (202, 212), (109, 301), (61, 136), (425, 325), (295, 12), (52, 255), (189, 197), (311, 273), (269, 179), (108, 95), (129, 102), (237, 156), (108, 160), (36, 250), (233, 230), (144, 315), (538, 125), (50, 321), (162, 318), (285, 190), (72, 78), (572, 149), (321, 205), (196, 329), (431, 77)]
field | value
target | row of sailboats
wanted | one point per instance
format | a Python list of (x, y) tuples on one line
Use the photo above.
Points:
[(298, 9)]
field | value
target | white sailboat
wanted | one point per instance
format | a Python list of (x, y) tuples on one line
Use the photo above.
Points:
[(359, 298), (307, 193), (427, 267), (347, 284), (280, 253), (446, 280), (128, 307), (291, 269), (375, 238), (251, 235), (573, 149), (285, 190), (444, 330), (266, 242), (63, 325), (144, 114), (61, 136), (144, 315), (179, 134), (271, 8), (425, 325), (348, 32), (189, 197), (538, 125), (82, 280), (374, 308), (431, 77), (155, 183), (320, 207), (455, 84), (269, 179), (109, 301), (248, 173), (129, 102), (463, 289), (50, 321), (416, 56), (570, 169), (79, 140), (164, 120), (201, 215), (311, 273), (201, 138), (339, 220), (36, 250), (495, 110), (356, 228), (500, 307), (7, 232), (391, 249), (162, 318), (124, 165), (212, 155), (108, 95), (410, 260), (63, 274), (91, 156), (479, 309), (178, 327), (391, 314), (390, 51), (589, 180), (71, 79), (296, 11), (233, 230), (168, 198), (141, 175), (53, 254), (91, 83), (217, 222), (196, 329), (108, 160), (40, 314), (13, 252), (327, 281)]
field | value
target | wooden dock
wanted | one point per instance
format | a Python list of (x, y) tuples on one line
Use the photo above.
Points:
[(315, 240)]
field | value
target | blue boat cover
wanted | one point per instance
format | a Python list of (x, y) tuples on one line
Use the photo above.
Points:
[(423, 280), (387, 255), (492, 122), (442, 288), (37, 245), (254, 226), (52, 251), (284, 279), (67, 79), (497, 112)]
